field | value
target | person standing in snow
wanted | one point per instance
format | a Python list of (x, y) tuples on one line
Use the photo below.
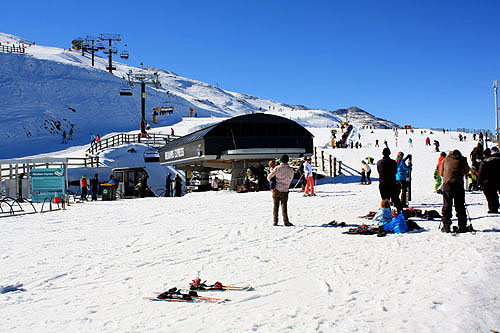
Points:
[(376, 143), (71, 133), (410, 143), (178, 185), (64, 137), (168, 185), (84, 187), (284, 175), (476, 155), (308, 174), (94, 182), (454, 169), (489, 178), (368, 172), (388, 188), (401, 175)]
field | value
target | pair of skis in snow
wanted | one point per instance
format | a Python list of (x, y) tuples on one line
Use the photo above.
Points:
[(191, 295)]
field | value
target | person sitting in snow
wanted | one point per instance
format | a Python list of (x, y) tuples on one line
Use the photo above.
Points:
[(383, 215)]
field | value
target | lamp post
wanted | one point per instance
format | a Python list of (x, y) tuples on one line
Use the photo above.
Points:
[(495, 89)]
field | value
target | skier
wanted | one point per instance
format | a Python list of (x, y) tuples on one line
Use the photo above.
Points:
[(410, 143), (489, 179), (168, 185), (402, 173), (64, 137), (454, 169), (427, 141), (284, 175), (388, 188), (84, 186), (308, 172), (71, 133)]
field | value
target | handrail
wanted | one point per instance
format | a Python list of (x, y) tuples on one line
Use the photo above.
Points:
[(126, 138)]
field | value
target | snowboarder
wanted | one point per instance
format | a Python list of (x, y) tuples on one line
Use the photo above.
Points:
[(388, 188), (284, 175), (454, 169)]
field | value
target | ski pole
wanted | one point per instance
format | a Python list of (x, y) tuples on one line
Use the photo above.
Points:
[(298, 182)]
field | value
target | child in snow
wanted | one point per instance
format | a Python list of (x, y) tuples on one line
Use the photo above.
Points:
[(472, 178), (384, 214), (437, 180), (363, 175), (272, 182)]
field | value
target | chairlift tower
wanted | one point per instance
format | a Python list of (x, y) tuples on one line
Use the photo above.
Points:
[(143, 79), (110, 38), (86, 47)]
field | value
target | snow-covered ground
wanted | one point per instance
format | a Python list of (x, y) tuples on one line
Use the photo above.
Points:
[(88, 268)]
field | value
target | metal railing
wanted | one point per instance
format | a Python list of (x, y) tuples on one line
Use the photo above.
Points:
[(12, 49), (155, 140)]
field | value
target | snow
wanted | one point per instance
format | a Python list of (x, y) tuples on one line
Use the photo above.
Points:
[(88, 268)]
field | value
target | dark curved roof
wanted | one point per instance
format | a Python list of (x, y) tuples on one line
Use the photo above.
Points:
[(257, 124)]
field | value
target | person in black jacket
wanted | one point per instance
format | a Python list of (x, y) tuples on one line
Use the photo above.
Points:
[(94, 182), (168, 185), (488, 179), (388, 187), (476, 155)]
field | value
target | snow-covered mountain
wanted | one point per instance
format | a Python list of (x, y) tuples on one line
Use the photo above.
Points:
[(49, 90)]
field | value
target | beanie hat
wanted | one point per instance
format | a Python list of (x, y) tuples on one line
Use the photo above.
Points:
[(494, 148)]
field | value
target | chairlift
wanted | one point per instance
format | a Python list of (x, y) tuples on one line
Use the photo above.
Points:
[(151, 155), (106, 51), (124, 54), (125, 91), (166, 107), (114, 50), (100, 45)]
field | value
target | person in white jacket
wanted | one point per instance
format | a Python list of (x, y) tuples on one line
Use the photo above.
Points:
[(368, 171), (308, 174)]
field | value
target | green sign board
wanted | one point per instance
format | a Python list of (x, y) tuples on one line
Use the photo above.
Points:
[(47, 183)]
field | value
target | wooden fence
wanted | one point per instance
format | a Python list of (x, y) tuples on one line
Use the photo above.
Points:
[(328, 164), (156, 140)]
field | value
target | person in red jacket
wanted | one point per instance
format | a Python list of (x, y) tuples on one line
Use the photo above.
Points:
[(84, 186)]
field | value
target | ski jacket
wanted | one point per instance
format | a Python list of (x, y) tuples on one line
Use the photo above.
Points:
[(83, 182), (365, 166), (403, 169), (489, 171), (308, 169), (440, 165), (387, 169), (455, 168), (284, 175), (382, 216)]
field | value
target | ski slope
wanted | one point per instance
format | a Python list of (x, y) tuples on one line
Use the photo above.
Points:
[(89, 268)]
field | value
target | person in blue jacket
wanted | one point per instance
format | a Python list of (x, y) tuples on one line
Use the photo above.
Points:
[(401, 174)]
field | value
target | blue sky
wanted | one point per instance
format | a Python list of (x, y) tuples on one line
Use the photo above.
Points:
[(425, 63)]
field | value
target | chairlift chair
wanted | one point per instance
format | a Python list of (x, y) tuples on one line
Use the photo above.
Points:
[(124, 54), (151, 155), (100, 45), (166, 107), (125, 91), (114, 50), (106, 51)]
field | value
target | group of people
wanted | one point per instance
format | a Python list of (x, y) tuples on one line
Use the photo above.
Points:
[(173, 187), (94, 186)]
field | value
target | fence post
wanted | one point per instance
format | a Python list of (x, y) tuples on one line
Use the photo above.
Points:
[(330, 163), (97, 160), (334, 167), (315, 157), (322, 160), (340, 167)]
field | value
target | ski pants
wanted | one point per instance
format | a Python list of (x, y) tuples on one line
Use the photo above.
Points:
[(390, 191), (437, 183), (84, 193), (363, 177), (403, 188), (280, 197), (310, 185), (491, 194), (368, 173), (454, 194)]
